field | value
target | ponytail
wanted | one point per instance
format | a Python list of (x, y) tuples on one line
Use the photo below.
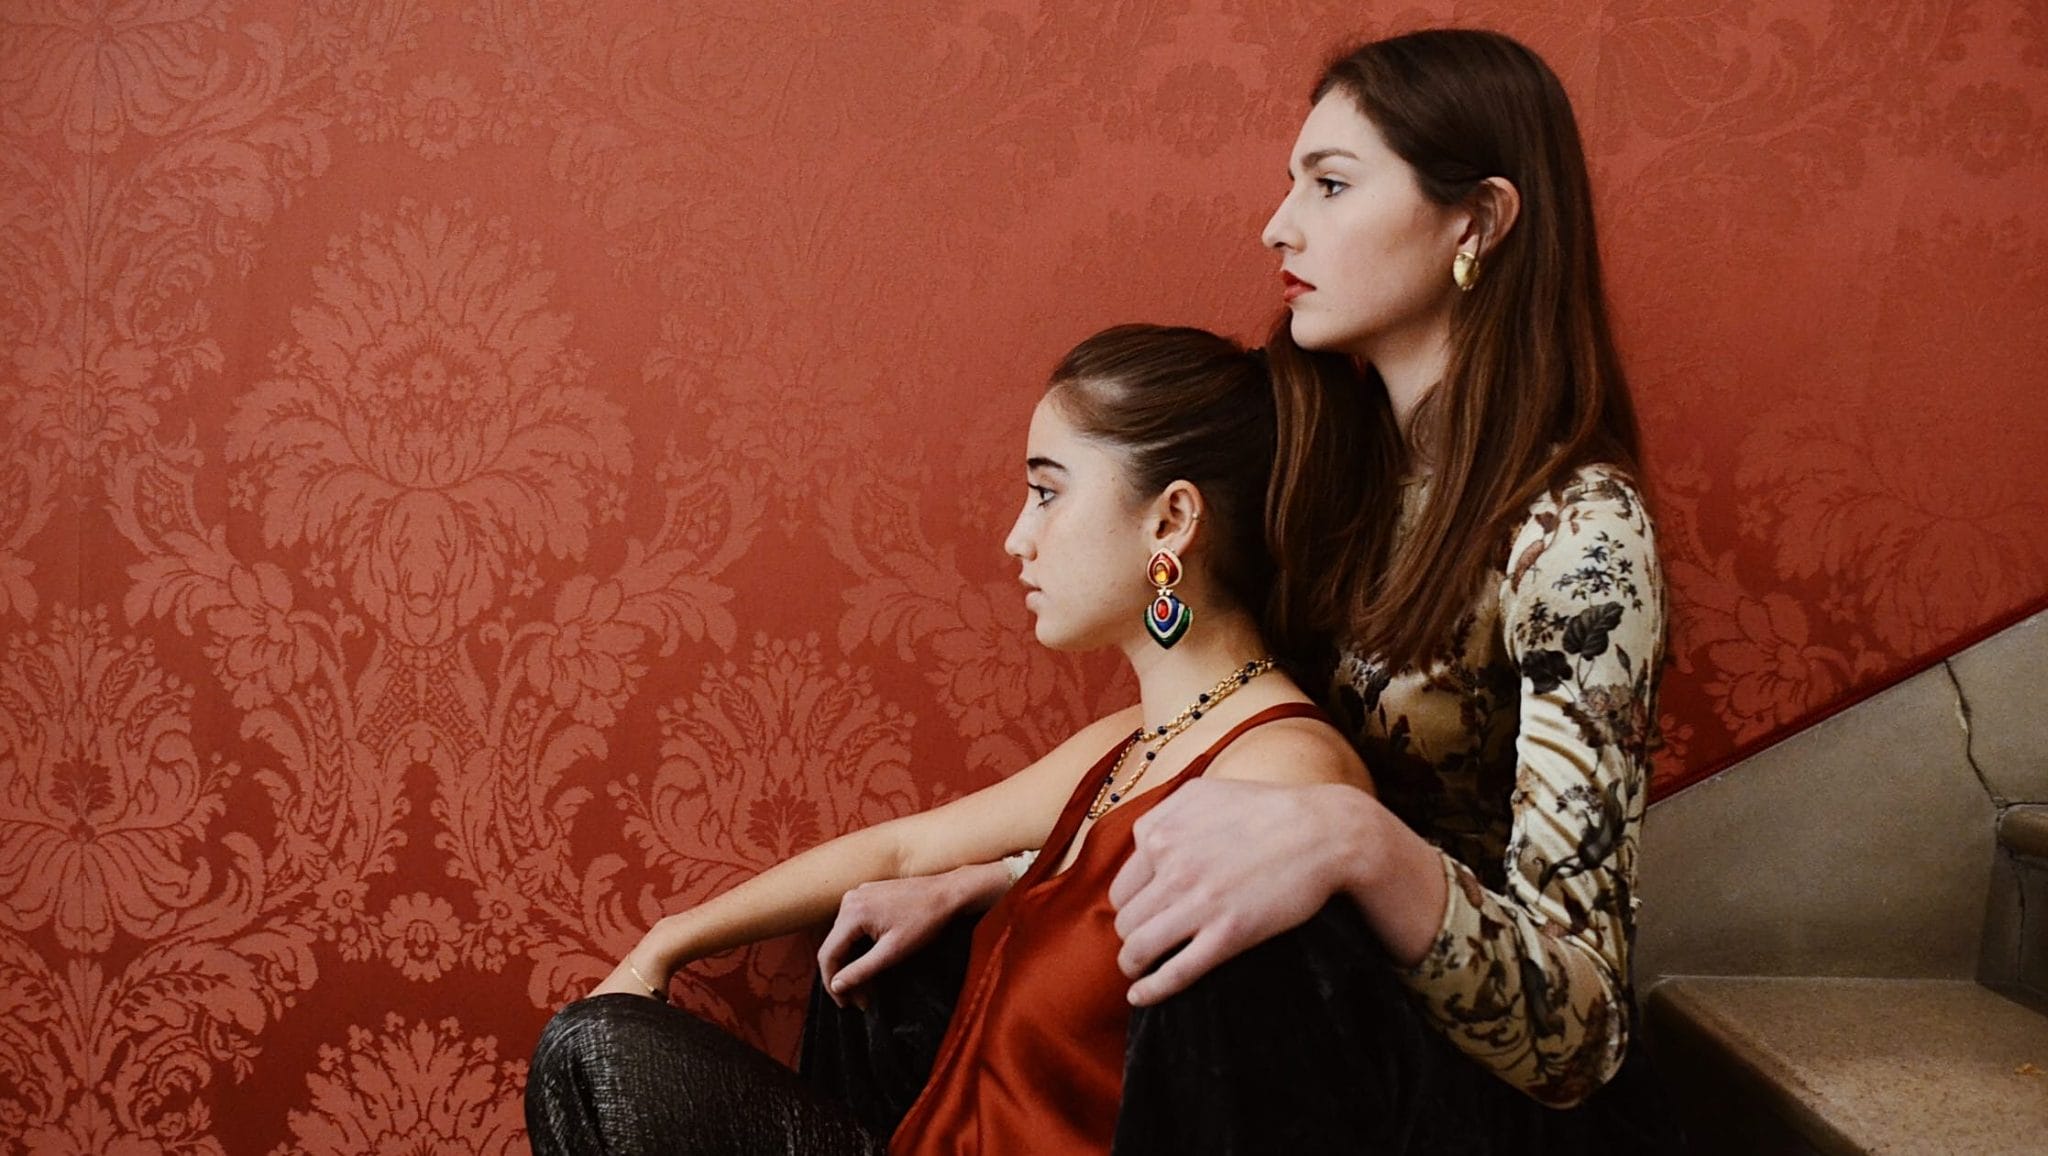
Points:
[(1311, 433)]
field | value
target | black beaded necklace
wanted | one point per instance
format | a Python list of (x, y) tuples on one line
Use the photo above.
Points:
[(1109, 794)]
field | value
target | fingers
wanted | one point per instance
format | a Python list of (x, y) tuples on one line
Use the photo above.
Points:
[(876, 960), (1131, 879), (833, 952), (900, 915), (1189, 964), (1160, 840), (1150, 940), (1143, 907)]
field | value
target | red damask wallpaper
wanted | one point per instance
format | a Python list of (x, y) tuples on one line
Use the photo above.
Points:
[(478, 475)]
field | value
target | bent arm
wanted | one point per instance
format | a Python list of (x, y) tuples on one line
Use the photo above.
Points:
[(806, 889), (1533, 980)]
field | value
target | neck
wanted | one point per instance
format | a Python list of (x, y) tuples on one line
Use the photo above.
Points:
[(1168, 680), (1410, 363)]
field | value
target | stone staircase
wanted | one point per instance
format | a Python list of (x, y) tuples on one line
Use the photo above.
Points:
[(2014, 961), (1845, 938)]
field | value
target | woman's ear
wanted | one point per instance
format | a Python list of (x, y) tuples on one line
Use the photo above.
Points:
[(1175, 517), (1494, 207)]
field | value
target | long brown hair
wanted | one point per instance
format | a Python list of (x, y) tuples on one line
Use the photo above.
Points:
[(1180, 403), (1533, 389)]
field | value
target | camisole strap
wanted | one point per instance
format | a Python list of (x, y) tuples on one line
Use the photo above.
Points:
[(1068, 827), (1270, 714)]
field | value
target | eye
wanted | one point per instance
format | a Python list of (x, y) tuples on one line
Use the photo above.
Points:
[(1044, 493), (1331, 186)]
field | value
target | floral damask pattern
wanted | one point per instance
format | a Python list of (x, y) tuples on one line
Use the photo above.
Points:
[(97, 68), (421, 423), (411, 1087), (106, 794), (428, 422), (440, 115), (772, 730)]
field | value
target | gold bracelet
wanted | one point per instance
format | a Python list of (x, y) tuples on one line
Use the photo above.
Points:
[(656, 992)]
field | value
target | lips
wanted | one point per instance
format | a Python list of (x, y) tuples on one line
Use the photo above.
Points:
[(1292, 287)]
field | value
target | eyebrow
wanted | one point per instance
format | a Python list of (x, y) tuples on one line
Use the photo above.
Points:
[(1311, 160), (1043, 464)]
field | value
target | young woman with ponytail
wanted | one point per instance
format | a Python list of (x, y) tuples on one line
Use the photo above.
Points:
[(1148, 470)]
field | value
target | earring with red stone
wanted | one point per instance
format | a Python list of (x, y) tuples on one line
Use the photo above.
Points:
[(1167, 618)]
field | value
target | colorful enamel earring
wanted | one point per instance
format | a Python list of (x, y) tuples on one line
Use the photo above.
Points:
[(1167, 619)]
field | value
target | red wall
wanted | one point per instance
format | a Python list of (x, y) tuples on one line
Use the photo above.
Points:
[(478, 477)]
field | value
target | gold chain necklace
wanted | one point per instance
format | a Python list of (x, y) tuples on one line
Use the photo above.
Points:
[(1109, 794)]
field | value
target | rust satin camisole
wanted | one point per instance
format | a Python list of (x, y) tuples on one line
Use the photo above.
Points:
[(1033, 1060)]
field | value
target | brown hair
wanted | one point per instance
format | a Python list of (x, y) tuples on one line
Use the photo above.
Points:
[(1533, 389), (1186, 404)]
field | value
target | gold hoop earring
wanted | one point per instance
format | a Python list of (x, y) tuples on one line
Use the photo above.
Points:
[(1465, 270)]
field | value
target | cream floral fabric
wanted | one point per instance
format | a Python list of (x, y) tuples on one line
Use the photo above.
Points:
[(1522, 752)]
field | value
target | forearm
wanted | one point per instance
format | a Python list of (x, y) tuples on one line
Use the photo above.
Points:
[(797, 893), (1394, 875), (1508, 977), (1522, 995), (808, 888), (979, 885)]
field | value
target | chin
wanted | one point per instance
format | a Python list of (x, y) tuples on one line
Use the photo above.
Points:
[(1050, 636), (1067, 640), (1318, 333)]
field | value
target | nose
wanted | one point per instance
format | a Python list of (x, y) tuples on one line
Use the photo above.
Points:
[(1017, 543), (1280, 232)]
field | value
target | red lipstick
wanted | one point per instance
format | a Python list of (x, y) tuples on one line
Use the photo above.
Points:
[(1292, 287)]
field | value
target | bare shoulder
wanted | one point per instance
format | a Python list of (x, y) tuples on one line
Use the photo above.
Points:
[(1292, 751), (1105, 730), (1080, 750)]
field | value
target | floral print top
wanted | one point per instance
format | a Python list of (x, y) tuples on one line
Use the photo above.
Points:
[(1522, 753)]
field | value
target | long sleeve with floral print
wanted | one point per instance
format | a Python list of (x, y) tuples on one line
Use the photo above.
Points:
[(1523, 754)]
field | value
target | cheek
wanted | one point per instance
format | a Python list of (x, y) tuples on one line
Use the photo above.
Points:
[(1094, 572), (1388, 251), (1384, 272), (1090, 574)]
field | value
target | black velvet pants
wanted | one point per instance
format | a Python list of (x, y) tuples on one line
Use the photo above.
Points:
[(1306, 1044)]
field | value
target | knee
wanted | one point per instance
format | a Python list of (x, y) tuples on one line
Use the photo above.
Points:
[(591, 1031)]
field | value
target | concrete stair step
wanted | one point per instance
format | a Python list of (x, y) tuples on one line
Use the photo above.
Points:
[(1802, 1066), (2013, 957), (2023, 830)]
